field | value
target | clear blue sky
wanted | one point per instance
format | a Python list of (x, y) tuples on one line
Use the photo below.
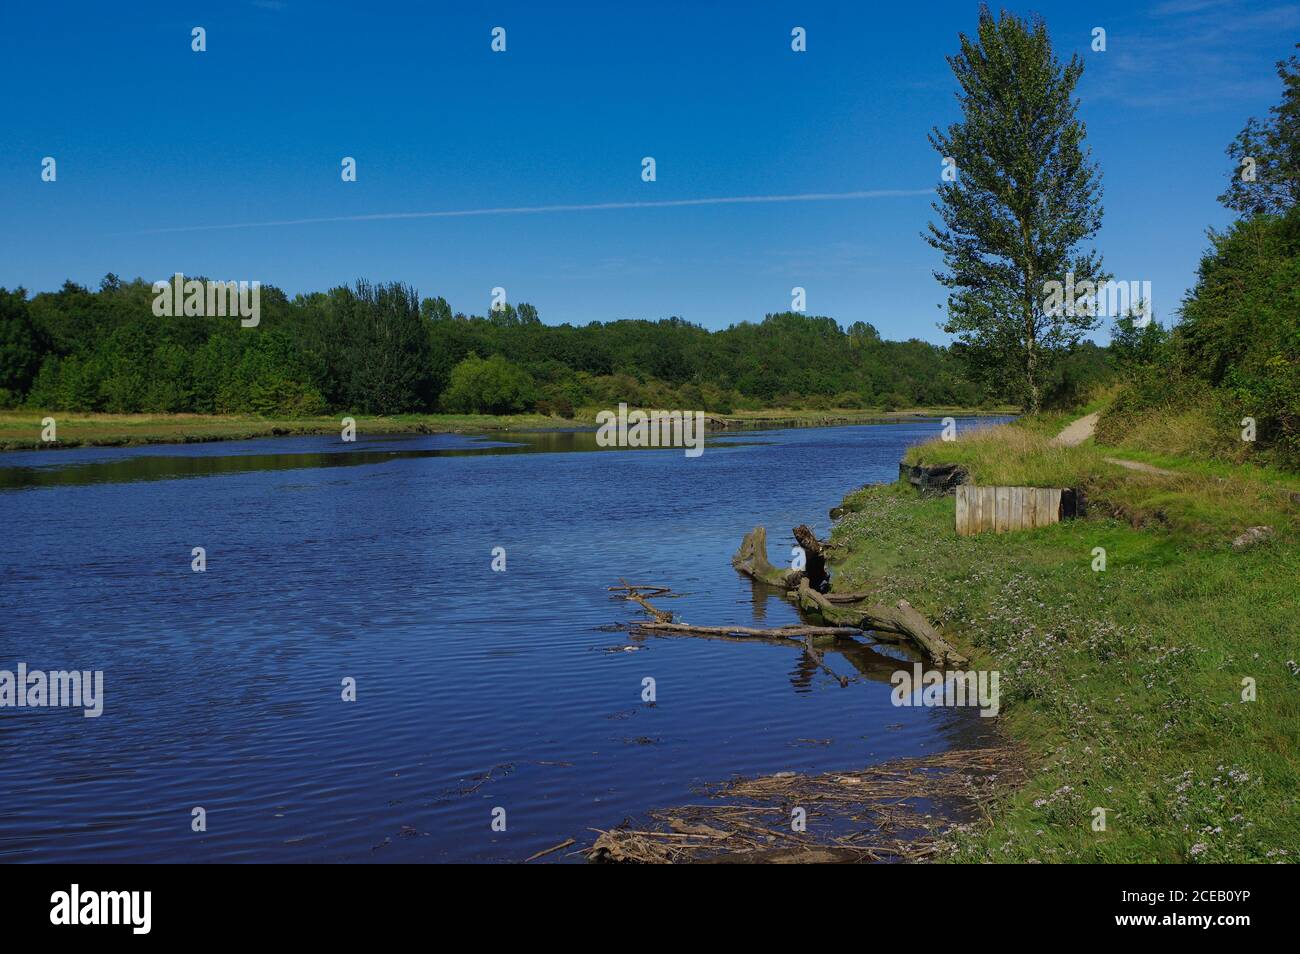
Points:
[(149, 135)]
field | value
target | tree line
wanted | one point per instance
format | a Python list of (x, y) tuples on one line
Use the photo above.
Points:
[(382, 349)]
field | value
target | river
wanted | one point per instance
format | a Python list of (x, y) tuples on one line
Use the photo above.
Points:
[(475, 689)]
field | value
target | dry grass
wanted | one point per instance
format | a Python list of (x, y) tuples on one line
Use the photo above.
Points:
[(21, 430), (898, 811)]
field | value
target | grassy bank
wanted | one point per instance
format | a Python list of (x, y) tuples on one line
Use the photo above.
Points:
[(21, 430), (1125, 685)]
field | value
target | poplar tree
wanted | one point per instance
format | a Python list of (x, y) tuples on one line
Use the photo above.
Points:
[(1024, 198)]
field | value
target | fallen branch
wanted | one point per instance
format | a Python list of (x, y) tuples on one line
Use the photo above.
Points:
[(645, 589), (633, 594), (847, 597), (902, 619), (546, 851), (779, 632)]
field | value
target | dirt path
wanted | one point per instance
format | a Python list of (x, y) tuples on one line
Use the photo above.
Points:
[(1140, 467), (1076, 432)]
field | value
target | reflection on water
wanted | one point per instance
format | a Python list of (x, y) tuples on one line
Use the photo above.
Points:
[(475, 689), (51, 468)]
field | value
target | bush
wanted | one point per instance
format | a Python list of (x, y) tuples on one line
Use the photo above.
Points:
[(1234, 354), (1177, 418), (488, 386)]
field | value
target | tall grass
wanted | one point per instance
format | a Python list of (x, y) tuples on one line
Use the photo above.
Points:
[(1209, 502)]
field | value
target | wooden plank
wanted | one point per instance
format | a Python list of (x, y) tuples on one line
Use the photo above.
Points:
[(1005, 509)]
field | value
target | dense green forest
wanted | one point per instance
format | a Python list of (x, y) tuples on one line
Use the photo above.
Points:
[(380, 349)]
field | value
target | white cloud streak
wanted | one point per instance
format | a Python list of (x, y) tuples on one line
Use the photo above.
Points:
[(539, 209)]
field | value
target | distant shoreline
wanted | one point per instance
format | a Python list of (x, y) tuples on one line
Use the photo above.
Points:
[(21, 429)]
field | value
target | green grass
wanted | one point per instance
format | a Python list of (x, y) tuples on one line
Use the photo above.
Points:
[(21, 429), (1124, 685)]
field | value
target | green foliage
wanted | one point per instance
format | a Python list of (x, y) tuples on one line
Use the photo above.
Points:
[(1076, 374), (1273, 146), (374, 347), (1025, 197), (488, 386), (1234, 354), (379, 349), (1134, 343), (20, 348)]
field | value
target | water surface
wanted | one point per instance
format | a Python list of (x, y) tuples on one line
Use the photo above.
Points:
[(475, 689)]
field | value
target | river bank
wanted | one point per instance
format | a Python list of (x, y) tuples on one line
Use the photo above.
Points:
[(1148, 661), (1148, 666), (22, 429)]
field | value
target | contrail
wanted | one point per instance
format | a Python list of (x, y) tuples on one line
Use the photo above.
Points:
[(534, 209)]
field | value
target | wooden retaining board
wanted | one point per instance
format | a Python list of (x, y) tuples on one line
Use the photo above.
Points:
[(1002, 509)]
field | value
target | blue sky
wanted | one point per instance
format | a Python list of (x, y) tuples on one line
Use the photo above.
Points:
[(150, 136)]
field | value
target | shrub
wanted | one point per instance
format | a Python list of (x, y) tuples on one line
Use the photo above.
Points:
[(488, 386)]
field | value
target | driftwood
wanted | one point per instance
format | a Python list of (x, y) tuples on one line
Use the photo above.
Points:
[(751, 559), (664, 626), (845, 597), (901, 619), (815, 556), (779, 632), (635, 595), (549, 851), (662, 616)]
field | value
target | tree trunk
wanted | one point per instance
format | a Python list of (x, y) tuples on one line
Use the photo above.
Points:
[(815, 552), (751, 559)]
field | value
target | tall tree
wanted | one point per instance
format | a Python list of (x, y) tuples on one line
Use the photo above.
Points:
[(1266, 155), (1025, 196)]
